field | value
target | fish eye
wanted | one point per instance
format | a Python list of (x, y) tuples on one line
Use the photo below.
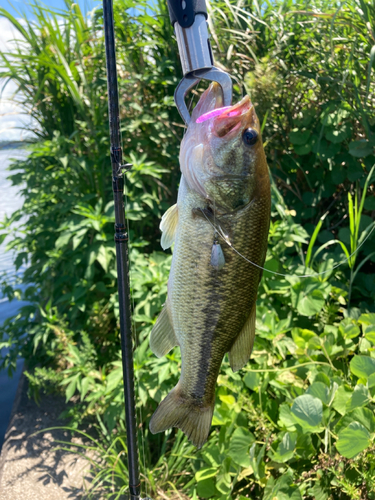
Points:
[(250, 137)]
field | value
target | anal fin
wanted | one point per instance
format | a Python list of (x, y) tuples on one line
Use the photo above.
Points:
[(240, 352), (168, 225), (162, 338)]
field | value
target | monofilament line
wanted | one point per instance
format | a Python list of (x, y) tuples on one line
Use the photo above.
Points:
[(314, 275), (134, 328)]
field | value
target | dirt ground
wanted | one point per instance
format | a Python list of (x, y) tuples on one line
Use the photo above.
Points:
[(30, 467)]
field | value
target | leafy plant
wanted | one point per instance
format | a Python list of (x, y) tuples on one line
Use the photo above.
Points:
[(356, 239), (298, 421)]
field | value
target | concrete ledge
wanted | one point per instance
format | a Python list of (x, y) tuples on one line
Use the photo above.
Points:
[(30, 469)]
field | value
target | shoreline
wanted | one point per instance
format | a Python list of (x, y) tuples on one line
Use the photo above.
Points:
[(4, 145)]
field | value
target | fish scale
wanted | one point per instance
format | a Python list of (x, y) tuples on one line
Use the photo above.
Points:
[(209, 311)]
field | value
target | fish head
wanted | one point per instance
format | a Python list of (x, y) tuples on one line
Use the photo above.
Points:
[(222, 155)]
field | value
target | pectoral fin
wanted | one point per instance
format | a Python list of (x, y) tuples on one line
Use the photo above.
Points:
[(168, 225), (162, 338), (240, 352)]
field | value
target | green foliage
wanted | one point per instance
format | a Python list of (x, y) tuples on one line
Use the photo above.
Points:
[(298, 421), (67, 235), (308, 68)]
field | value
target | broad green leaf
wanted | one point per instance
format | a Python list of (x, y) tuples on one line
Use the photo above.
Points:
[(212, 455), (205, 473), (370, 333), (342, 395), (78, 237), (349, 329), (352, 440), (224, 483), (360, 149), (70, 390), (371, 380), (327, 149), (367, 319), (286, 447), (256, 460), (333, 116), (206, 488), (362, 366), (308, 304), (364, 416), (304, 447), (368, 325), (307, 411), (369, 204), (322, 377), (359, 397), (319, 390), (338, 135), (308, 296), (318, 492), (85, 384), (305, 339), (63, 239), (286, 418), (282, 489), (239, 445), (229, 400), (217, 419), (104, 257), (299, 137), (303, 149), (252, 380)]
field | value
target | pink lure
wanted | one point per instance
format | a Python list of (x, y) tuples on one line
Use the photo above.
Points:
[(215, 112)]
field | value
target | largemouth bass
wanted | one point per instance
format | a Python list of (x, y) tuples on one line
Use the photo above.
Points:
[(224, 199)]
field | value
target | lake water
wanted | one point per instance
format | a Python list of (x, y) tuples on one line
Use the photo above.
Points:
[(10, 200)]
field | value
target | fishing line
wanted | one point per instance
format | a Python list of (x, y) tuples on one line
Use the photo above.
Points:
[(135, 336), (240, 85), (189, 107), (226, 239)]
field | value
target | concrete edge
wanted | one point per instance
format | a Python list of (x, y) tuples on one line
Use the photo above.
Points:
[(15, 408)]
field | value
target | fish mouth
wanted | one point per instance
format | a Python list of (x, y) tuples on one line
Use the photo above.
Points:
[(226, 121), (233, 118)]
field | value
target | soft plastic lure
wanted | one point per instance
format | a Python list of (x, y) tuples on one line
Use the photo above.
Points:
[(216, 112)]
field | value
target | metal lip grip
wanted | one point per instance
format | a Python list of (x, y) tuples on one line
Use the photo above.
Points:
[(194, 46), (189, 18)]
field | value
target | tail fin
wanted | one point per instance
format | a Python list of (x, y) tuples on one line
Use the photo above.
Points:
[(177, 411)]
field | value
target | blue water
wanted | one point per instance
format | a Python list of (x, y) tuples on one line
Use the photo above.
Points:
[(10, 200)]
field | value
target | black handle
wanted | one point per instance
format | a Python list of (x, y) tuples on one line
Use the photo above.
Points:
[(184, 11)]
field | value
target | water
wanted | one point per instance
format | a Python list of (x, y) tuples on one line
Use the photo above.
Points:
[(10, 200)]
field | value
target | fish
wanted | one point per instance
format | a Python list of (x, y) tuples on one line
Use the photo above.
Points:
[(223, 204)]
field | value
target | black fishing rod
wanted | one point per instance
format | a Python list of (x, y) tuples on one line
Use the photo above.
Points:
[(122, 253)]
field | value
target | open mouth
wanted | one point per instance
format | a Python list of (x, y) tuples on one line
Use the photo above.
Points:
[(215, 112), (226, 119)]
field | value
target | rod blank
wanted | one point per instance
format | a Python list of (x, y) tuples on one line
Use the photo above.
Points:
[(122, 255)]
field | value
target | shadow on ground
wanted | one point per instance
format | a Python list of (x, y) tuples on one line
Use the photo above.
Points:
[(30, 466)]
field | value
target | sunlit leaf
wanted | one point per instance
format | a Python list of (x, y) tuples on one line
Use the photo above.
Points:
[(352, 440), (307, 410)]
